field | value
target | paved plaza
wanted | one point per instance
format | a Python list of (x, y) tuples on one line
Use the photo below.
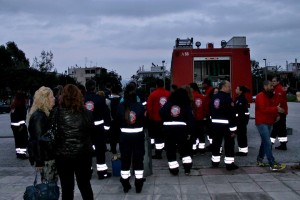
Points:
[(248, 182)]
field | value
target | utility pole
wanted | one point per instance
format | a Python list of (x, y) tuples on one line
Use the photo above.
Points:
[(266, 70)]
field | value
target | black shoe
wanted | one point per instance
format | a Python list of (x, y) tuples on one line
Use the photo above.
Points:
[(174, 171), (231, 167), (22, 156), (241, 154), (201, 151), (282, 146), (139, 184), (187, 171), (215, 164), (104, 176), (126, 185), (208, 148)]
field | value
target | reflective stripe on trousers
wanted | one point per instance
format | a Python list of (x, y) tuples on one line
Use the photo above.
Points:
[(173, 164), (101, 167), (228, 160), (125, 174), (18, 123), (243, 150), (131, 130)]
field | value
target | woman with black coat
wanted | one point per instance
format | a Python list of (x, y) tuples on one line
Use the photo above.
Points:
[(73, 144)]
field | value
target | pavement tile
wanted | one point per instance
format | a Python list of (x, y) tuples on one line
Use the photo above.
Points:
[(225, 196), (193, 189), (167, 189), (246, 187), (217, 179), (188, 180), (166, 197), (195, 196), (255, 170), (109, 196), (274, 186), (294, 185), (168, 180), (287, 177), (254, 195), (137, 197), (263, 177), (220, 188), (284, 195), (238, 178)]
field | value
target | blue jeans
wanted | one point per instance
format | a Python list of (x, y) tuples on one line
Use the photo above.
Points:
[(265, 146)]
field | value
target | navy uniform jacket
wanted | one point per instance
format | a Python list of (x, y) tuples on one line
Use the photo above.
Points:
[(171, 112), (222, 110), (97, 105), (241, 110), (137, 115)]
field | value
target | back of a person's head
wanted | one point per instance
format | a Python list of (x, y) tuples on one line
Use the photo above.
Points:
[(41, 100), (180, 97), (57, 90), (71, 98), (115, 89), (90, 85), (244, 89), (159, 83), (195, 87), (130, 92), (207, 81)]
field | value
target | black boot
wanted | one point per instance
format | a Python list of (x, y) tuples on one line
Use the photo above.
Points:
[(241, 154), (139, 184), (187, 168), (157, 154), (282, 146), (103, 174), (231, 167), (174, 171), (126, 185), (22, 156)]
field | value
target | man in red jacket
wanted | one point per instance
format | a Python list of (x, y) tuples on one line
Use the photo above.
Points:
[(266, 113), (279, 128), (155, 101)]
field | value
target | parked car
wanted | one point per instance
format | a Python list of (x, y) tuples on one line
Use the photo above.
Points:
[(4, 108)]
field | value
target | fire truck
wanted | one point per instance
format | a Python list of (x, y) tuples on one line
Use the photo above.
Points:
[(231, 61)]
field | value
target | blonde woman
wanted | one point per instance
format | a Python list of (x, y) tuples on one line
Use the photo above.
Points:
[(39, 124)]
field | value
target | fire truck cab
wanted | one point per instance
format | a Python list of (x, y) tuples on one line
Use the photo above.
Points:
[(229, 62)]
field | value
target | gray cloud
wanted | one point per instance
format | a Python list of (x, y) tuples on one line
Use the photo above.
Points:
[(126, 34)]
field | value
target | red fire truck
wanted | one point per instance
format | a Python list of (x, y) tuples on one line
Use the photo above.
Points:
[(229, 62)]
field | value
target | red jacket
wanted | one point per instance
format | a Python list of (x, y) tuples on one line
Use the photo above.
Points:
[(155, 101), (265, 109), (200, 106), (280, 97)]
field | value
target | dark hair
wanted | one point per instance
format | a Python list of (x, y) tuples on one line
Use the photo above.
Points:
[(82, 89), (180, 97), (129, 97), (277, 78), (195, 87), (90, 85), (244, 89), (71, 98), (159, 83), (207, 81), (57, 91), (266, 82), (19, 100)]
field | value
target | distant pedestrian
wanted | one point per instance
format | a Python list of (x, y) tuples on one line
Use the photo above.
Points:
[(279, 127), (266, 114), (223, 126), (178, 126), (18, 115), (131, 119), (242, 119)]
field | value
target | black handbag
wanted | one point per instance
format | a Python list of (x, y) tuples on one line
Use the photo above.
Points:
[(42, 191)]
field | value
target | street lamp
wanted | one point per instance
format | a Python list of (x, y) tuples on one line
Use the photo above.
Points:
[(163, 64), (265, 69)]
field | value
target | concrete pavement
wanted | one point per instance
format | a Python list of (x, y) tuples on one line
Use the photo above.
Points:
[(248, 182)]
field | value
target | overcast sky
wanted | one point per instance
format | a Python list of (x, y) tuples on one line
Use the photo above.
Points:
[(123, 35)]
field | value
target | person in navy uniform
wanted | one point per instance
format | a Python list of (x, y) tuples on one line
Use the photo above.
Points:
[(223, 126), (18, 125), (178, 125), (242, 119), (101, 116), (131, 117)]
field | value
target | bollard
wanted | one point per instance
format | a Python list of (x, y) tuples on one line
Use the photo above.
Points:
[(148, 156)]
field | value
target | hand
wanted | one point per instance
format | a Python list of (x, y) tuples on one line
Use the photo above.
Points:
[(277, 119), (279, 109)]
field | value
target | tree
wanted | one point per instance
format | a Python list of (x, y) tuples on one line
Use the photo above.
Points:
[(105, 78), (45, 64)]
